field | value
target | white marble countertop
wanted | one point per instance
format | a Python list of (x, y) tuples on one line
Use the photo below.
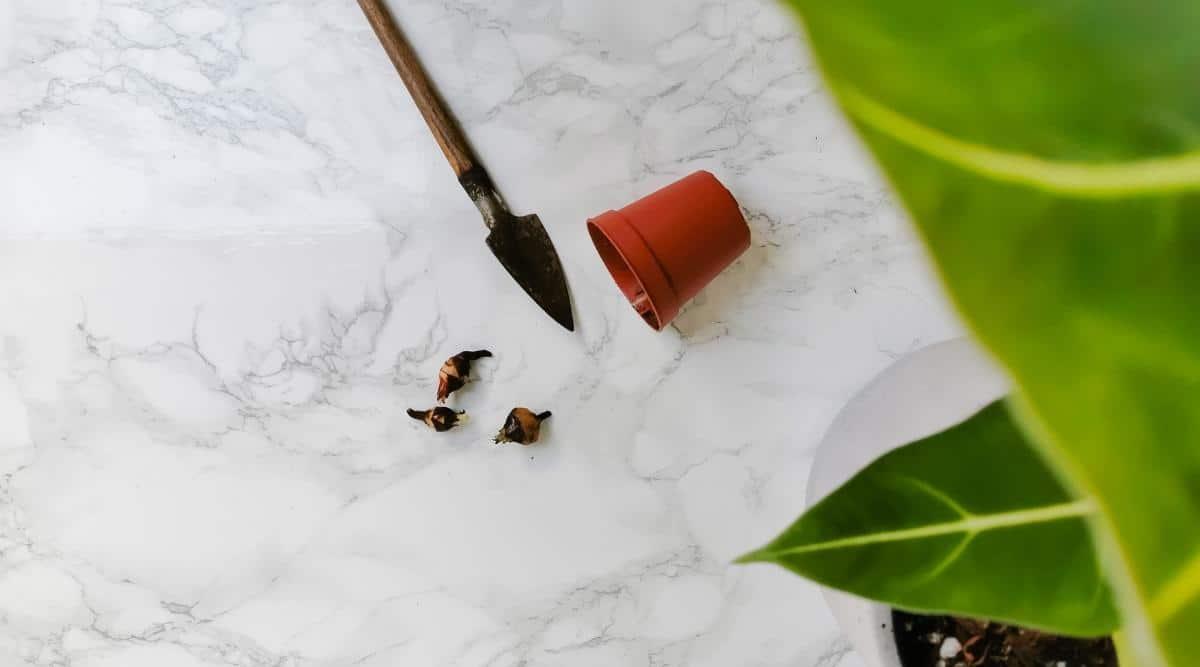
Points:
[(231, 256)]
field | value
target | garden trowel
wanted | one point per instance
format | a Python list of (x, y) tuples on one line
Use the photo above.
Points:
[(519, 242)]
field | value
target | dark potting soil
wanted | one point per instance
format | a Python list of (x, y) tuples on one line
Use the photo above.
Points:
[(920, 641)]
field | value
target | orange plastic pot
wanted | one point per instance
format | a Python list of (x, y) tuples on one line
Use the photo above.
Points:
[(665, 247)]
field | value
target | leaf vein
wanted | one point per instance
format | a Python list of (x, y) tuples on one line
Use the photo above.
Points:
[(1180, 591), (1091, 179), (936, 494), (973, 524), (949, 560)]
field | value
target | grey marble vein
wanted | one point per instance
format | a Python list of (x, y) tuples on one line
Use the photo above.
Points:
[(231, 257)]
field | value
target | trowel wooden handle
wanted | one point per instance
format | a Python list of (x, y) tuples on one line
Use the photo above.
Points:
[(445, 131)]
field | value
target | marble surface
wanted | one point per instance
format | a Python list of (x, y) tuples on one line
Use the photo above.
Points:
[(231, 256)]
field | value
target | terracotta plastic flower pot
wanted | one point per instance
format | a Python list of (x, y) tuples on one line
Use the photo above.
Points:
[(665, 247)]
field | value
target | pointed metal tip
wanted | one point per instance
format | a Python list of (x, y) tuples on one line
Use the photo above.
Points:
[(568, 322), (526, 251)]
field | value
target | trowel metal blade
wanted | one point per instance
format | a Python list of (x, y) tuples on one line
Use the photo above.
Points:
[(524, 248)]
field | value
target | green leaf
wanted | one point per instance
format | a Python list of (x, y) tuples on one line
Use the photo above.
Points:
[(969, 521), (1049, 152)]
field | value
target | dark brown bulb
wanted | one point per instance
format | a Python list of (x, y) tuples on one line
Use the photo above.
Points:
[(522, 426), (440, 419), (454, 373)]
